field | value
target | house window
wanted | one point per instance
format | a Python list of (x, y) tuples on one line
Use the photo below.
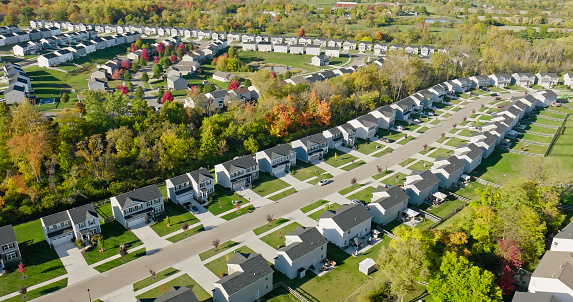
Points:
[(11, 256), (348, 231), (82, 225), (322, 248), (344, 242), (266, 278), (8, 246), (267, 287), (91, 222)]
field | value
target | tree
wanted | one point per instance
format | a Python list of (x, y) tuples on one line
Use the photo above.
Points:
[(133, 48), (247, 83), (506, 281), (116, 74), (155, 59), (101, 244), (270, 219), (173, 59), (126, 64), (185, 227), (122, 89), (145, 54), (123, 251), (459, 280), (233, 85), (167, 97), (28, 152), (425, 146), (194, 90), (157, 71), (22, 269), (232, 52), (216, 243), (23, 290), (454, 125), (160, 48), (301, 32), (65, 97), (127, 75), (144, 77), (353, 180)]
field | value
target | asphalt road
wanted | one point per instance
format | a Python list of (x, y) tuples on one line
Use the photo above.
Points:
[(164, 258)]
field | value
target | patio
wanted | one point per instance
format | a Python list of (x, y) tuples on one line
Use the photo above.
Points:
[(411, 219), (359, 245)]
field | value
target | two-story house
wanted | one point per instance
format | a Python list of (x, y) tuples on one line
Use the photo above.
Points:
[(334, 137), (237, 174), (524, 79), (448, 170), (563, 241), (341, 226), (480, 81), (276, 160), (470, 154), (403, 109), (138, 206), (486, 141), (427, 50), (501, 79), (348, 134), (80, 222), (366, 126), (545, 97), (9, 249), (311, 148), (174, 294), (568, 79), (304, 247), (547, 80), (386, 116), (249, 278), (553, 275), (198, 184), (420, 185), (387, 204)]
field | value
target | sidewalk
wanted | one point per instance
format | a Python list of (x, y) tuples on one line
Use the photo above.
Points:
[(297, 184), (152, 242), (75, 264)]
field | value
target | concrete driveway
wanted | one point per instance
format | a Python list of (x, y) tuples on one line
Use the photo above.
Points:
[(152, 242), (75, 264)]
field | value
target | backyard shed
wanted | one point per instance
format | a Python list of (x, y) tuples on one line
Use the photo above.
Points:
[(367, 266)]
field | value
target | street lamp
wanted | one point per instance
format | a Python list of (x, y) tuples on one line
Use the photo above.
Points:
[(89, 295)]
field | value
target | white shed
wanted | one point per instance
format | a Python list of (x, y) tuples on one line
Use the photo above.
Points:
[(367, 266)]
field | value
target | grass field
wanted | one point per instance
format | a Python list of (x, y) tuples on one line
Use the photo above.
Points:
[(337, 158), (269, 226), (239, 212), (156, 278), (395, 179), (267, 185), (304, 171), (296, 61), (446, 208), (223, 200), (364, 195), (177, 214), (353, 165), (350, 188), (44, 290), (441, 152), (183, 280), (276, 239), (219, 265), (421, 165), (563, 149), (365, 147)]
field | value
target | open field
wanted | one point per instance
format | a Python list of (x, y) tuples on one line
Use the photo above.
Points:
[(295, 61)]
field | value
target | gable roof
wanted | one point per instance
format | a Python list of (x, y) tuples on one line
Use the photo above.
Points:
[(396, 196), (254, 268), (81, 214), (179, 179), (311, 240), (278, 151), (367, 120), (144, 194), (200, 175), (454, 164), (310, 140), (348, 128), (174, 294), (566, 232), (534, 297), (556, 265), (7, 235), (56, 218), (428, 179), (473, 152), (243, 162), (348, 216)]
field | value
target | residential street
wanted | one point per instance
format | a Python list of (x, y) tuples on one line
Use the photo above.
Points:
[(110, 281)]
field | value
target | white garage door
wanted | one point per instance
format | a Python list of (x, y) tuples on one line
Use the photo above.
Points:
[(63, 238), (136, 221), (279, 169), (184, 197)]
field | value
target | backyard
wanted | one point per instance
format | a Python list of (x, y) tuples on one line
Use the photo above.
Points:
[(296, 61)]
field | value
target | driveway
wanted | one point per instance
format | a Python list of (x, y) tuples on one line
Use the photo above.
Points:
[(75, 264), (152, 242)]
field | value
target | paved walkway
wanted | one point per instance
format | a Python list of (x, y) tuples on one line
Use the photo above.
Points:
[(152, 242), (297, 184), (75, 264), (195, 269), (262, 248), (329, 169), (207, 218)]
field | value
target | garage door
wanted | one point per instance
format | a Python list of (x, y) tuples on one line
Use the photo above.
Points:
[(279, 169), (136, 221), (238, 185), (184, 197), (62, 239)]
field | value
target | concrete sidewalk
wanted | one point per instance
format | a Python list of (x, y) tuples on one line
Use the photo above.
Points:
[(152, 242), (195, 269), (297, 184), (75, 264), (207, 218)]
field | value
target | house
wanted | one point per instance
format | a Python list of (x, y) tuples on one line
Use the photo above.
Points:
[(311, 148), (249, 278), (427, 97), (525, 79), (248, 38), (119, 39), (15, 94), (17, 80), (547, 80), (9, 39), (501, 79), (23, 49), (265, 46), (48, 60), (448, 170), (9, 249), (320, 60), (22, 36), (470, 154), (386, 116), (411, 49), (241, 94), (486, 141), (334, 137), (203, 34), (528, 100), (481, 81), (346, 223), (99, 74), (349, 45), (315, 50), (420, 185), (305, 41), (138, 206), (281, 47), (395, 47), (219, 97), (380, 49), (546, 97), (222, 76), (65, 55), (342, 71), (562, 242), (427, 50), (35, 34), (97, 84), (219, 35), (568, 80), (237, 174), (296, 80), (387, 204), (81, 222), (250, 46), (198, 184), (327, 74), (277, 39), (535, 297), (46, 32), (174, 294), (348, 134), (99, 43), (332, 52), (304, 248), (297, 49), (37, 23), (335, 43), (464, 84), (176, 83), (512, 111), (366, 126), (553, 274), (452, 87), (319, 41), (89, 46), (364, 46), (234, 37), (276, 160), (403, 109)]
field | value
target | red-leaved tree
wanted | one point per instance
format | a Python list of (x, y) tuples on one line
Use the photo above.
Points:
[(126, 64), (160, 48), (167, 97), (506, 281), (173, 59), (181, 46), (510, 252), (301, 32), (273, 74), (233, 85), (194, 90), (22, 269), (133, 47), (155, 59), (144, 54), (122, 88), (116, 74)]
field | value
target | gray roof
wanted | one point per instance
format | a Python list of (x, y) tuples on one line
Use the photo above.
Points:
[(454, 164), (254, 267), (397, 195), (311, 240), (180, 179), (331, 48), (49, 56), (428, 179), (547, 93), (310, 140), (348, 128), (556, 265), (200, 174), (521, 105), (534, 297), (298, 80), (566, 232), (7, 235), (244, 162), (348, 216), (56, 218), (219, 93), (367, 120), (174, 294), (474, 151), (81, 214), (327, 74), (278, 151), (144, 194), (334, 131)]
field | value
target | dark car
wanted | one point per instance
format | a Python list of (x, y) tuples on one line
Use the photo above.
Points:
[(194, 209), (497, 98), (494, 94)]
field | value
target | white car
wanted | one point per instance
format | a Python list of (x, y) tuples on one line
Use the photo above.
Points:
[(430, 113), (323, 182), (417, 120)]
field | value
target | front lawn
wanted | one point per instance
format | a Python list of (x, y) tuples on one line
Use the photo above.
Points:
[(320, 177), (283, 194), (382, 174), (406, 140), (353, 165), (331, 207), (177, 214), (269, 226), (441, 152), (423, 129), (350, 189), (304, 171), (466, 132), (114, 234), (395, 179), (407, 162), (268, 184), (364, 195), (239, 212), (119, 261), (428, 149), (152, 279), (221, 248), (223, 200), (187, 234), (367, 147), (337, 158), (446, 208), (454, 142), (219, 265), (276, 239), (383, 152), (44, 290), (183, 280), (314, 205), (421, 165)]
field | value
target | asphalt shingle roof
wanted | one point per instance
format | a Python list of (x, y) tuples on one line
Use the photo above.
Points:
[(254, 267), (348, 216), (566, 232), (56, 218), (200, 175), (278, 151), (428, 179), (81, 214), (174, 294), (144, 194), (395, 196), (179, 179), (240, 163), (7, 235), (311, 240), (310, 140)]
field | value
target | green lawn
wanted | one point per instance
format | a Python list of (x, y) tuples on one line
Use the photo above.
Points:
[(393, 135), (317, 214), (382, 174), (421, 165), (441, 152), (428, 149), (350, 189), (366, 147), (304, 171), (446, 208), (268, 184), (466, 132), (219, 265), (152, 279), (223, 200), (500, 166), (296, 61), (337, 158), (548, 122), (314, 205), (406, 140), (407, 162), (423, 129), (221, 248), (269, 226), (183, 280), (239, 212), (44, 290), (531, 148), (364, 195), (41, 261), (395, 179), (187, 234), (276, 239), (435, 121), (280, 294), (563, 150), (551, 114), (283, 194), (320, 177), (383, 152), (114, 234), (119, 261), (456, 109), (540, 129), (177, 214), (353, 165), (469, 191), (454, 142)]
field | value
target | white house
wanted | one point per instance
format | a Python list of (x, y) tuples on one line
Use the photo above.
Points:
[(403, 108), (89, 46), (319, 41), (500, 79), (448, 170), (386, 116), (387, 204), (198, 184), (249, 278), (276, 160), (304, 247), (334, 43), (364, 46), (334, 137), (248, 38), (297, 49), (277, 39), (48, 60), (535, 297), (349, 45), (137, 206), (380, 49), (314, 50), (348, 134), (320, 60), (568, 80), (486, 141), (470, 154), (366, 126), (65, 55), (80, 222), (222, 76), (553, 274), (311, 148), (524, 79), (547, 80), (281, 47), (481, 81), (546, 97), (250, 46), (332, 52), (176, 83), (265, 46), (305, 41), (411, 49), (347, 222), (237, 174), (465, 84), (427, 50), (234, 37), (420, 185)]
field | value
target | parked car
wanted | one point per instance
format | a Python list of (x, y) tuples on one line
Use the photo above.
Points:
[(473, 94), (494, 94), (386, 140), (417, 120), (430, 113), (356, 201), (499, 106), (323, 182), (497, 98), (194, 209)]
